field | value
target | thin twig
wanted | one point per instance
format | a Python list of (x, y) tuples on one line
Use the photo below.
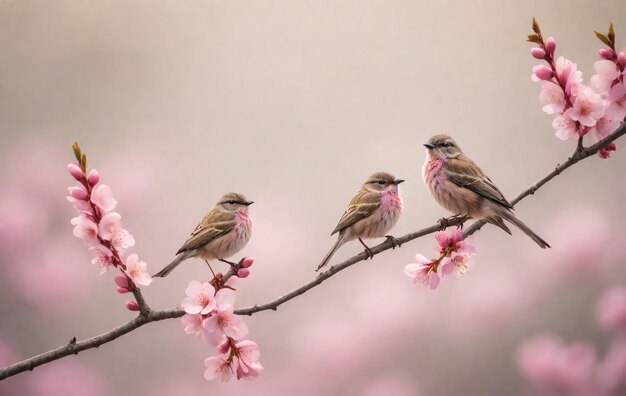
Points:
[(148, 315)]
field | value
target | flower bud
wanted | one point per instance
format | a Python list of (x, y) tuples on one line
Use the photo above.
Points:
[(243, 273), (132, 306), (76, 172), (93, 177), (621, 59), (543, 73), (606, 53), (122, 290), (550, 45), (538, 53), (247, 262), (122, 280), (78, 193)]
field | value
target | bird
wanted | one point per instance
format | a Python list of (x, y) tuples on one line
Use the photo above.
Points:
[(224, 231), (372, 213), (459, 185)]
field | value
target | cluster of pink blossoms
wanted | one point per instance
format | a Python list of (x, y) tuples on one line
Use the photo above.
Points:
[(101, 229), (454, 255), (209, 309), (553, 367), (579, 108)]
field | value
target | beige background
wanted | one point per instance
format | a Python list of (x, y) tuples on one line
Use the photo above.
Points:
[(294, 103)]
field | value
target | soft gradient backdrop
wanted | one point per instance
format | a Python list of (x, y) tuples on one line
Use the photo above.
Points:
[(294, 103)]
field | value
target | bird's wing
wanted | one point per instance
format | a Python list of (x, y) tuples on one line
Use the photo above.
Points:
[(362, 205), (215, 224), (464, 172)]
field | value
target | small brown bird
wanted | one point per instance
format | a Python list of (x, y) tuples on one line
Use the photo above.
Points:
[(224, 231), (372, 213), (460, 186)]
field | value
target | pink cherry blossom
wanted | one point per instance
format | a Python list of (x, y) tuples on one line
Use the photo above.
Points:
[(451, 240), (200, 298), (225, 324), (132, 305), (219, 367), (224, 299), (122, 240), (192, 325), (86, 230), (588, 107), (422, 272), (103, 257), (606, 73), (552, 95), (102, 197), (82, 207), (456, 263), (564, 127), (611, 310), (568, 75), (110, 223), (243, 273), (249, 360), (137, 270)]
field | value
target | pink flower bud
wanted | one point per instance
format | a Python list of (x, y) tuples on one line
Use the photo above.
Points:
[(247, 262), (78, 193), (606, 53), (243, 273), (538, 53), (223, 347), (122, 290), (93, 177), (543, 73), (122, 280), (132, 306), (550, 45), (76, 172), (621, 59)]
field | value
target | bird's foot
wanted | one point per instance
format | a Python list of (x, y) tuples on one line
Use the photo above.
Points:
[(446, 222), (393, 240), (368, 251)]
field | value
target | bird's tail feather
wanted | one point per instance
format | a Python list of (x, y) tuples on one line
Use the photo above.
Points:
[(170, 267), (329, 255), (511, 217)]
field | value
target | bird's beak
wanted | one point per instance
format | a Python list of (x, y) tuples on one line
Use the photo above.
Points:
[(397, 181), (248, 203), (429, 146)]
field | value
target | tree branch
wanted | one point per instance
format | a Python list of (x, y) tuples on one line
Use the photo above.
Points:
[(148, 315)]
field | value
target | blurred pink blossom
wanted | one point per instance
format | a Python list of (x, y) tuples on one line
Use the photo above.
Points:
[(103, 257), (611, 310), (67, 377), (612, 370), (553, 368)]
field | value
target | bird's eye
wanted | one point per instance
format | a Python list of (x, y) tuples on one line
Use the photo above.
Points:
[(231, 202), (445, 144), (381, 182)]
